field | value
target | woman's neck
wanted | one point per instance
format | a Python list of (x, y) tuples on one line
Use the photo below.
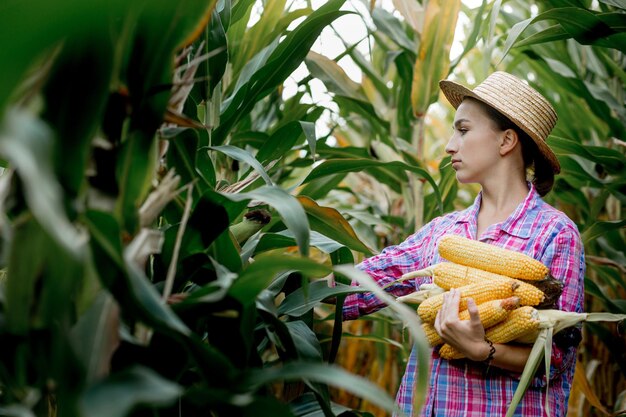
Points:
[(499, 201)]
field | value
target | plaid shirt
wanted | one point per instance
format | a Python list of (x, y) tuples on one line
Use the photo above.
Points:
[(462, 387)]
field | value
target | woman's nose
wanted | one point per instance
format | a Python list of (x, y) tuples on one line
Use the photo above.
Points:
[(451, 147)]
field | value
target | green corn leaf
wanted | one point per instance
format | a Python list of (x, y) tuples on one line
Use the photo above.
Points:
[(307, 405), (581, 24), (274, 66), (433, 59), (368, 69), (300, 302), (472, 38), (393, 28), (244, 156), (130, 388), (547, 356), (613, 160), (260, 274), (21, 46), (27, 143), (305, 341), (409, 319), (134, 173), (85, 64), (534, 360), (282, 141), (592, 288), (285, 239), (600, 228), (309, 132), (335, 166), (577, 175), (290, 210), (94, 337), (124, 279), (333, 76), (331, 223), (253, 39), (551, 34), (271, 241), (617, 3), (26, 262), (326, 374)]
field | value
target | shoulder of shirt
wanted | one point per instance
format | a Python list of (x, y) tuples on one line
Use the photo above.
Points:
[(555, 219)]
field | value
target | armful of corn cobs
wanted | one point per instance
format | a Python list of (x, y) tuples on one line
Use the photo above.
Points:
[(515, 293)]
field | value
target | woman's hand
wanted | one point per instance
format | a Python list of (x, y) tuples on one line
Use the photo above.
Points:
[(467, 336)]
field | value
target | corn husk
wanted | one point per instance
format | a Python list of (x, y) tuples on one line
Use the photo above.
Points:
[(551, 322), (425, 291)]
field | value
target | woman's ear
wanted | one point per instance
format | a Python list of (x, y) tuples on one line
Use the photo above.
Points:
[(508, 141)]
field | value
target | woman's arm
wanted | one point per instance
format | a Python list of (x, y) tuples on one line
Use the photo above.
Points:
[(394, 261)]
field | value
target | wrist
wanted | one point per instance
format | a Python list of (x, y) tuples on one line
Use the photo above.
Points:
[(490, 352), (483, 352)]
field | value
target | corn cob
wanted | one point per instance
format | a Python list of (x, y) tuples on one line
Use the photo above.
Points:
[(490, 312), (551, 288), (524, 324), (491, 258), (521, 322), (481, 292), (448, 352), (431, 334), (449, 275), (252, 222)]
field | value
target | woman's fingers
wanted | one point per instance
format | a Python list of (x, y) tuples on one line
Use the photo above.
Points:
[(472, 309), (448, 314), (450, 305)]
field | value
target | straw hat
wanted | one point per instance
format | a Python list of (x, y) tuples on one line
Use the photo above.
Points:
[(515, 99)]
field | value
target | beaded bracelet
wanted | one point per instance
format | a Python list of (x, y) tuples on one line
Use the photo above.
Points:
[(492, 351)]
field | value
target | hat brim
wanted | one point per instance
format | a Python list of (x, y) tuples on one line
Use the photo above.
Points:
[(455, 93)]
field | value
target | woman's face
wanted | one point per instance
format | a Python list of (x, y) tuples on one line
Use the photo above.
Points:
[(474, 145)]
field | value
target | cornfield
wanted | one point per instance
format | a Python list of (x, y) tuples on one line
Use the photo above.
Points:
[(178, 205)]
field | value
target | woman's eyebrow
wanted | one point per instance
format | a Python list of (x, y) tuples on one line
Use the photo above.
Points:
[(459, 121)]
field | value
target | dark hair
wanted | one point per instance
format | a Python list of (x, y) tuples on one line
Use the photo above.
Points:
[(543, 174)]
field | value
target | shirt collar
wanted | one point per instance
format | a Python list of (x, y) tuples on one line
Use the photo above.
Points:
[(517, 224)]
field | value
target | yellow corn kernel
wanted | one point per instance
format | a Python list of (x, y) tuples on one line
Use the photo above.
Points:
[(493, 312), (490, 313), (481, 292), (452, 275), (448, 352), (491, 258), (431, 334), (520, 322)]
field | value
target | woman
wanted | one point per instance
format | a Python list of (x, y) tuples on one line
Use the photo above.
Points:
[(500, 131)]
